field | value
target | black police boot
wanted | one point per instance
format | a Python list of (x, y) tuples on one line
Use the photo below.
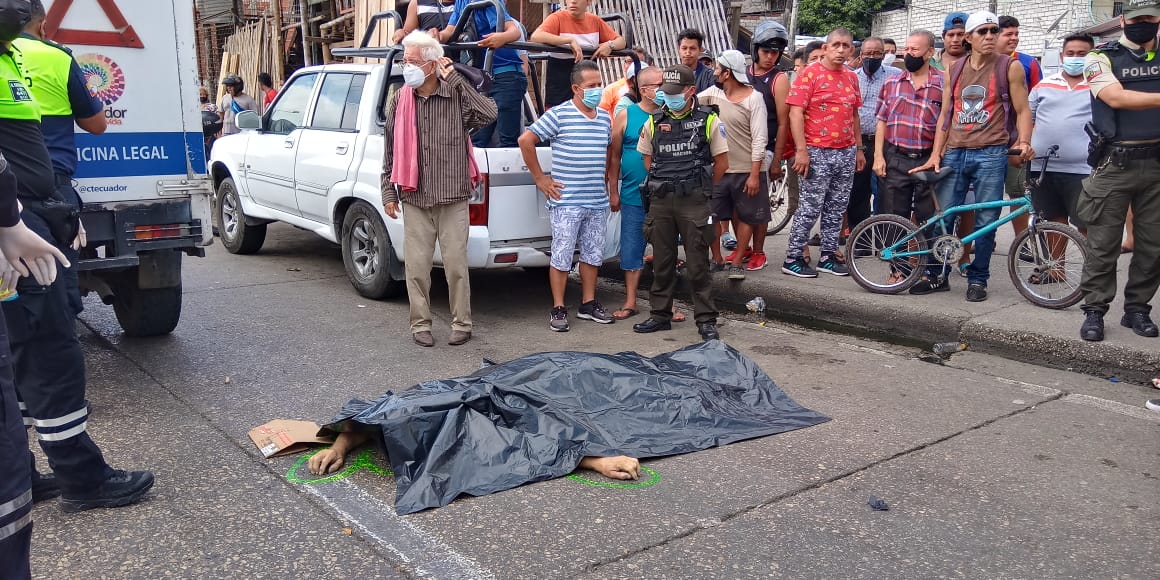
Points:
[(1093, 326), (120, 489), (708, 331), (44, 486), (651, 325), (1140, 323)]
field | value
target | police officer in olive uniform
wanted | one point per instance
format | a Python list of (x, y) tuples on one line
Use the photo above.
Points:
[(682, 145), (47, 359), (1125, 83)]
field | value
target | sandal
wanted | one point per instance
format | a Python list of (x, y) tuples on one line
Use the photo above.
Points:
[(678, 316), (895, 278), (624, 313), (1047, 278), (963, 269)]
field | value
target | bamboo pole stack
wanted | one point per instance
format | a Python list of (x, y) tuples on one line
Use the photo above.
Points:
[(253, 49)]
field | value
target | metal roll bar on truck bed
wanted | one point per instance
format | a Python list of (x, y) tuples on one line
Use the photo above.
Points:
[(536, 51)]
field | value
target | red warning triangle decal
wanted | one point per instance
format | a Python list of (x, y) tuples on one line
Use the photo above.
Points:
[(122, 35)]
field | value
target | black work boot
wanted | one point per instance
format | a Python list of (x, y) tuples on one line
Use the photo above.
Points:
[(708, 331), (120, 489), (1093, 326), (44, 486), (1140, 323)]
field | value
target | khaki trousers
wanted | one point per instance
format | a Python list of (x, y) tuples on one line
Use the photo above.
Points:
[(422, 228)]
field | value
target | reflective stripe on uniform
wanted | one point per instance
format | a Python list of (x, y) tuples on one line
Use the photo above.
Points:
[(65, 420), (62, 435), (28, 420), (73, 424), (15, 504), (23, 502), (15, 526)]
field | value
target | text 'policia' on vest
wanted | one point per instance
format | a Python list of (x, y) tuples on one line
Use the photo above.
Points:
[(1136, 72), (681, 159)]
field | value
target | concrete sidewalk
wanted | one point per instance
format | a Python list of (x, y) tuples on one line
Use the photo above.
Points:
[(1006, 324)]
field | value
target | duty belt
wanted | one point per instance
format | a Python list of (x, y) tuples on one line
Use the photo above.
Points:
[(1121, 153)]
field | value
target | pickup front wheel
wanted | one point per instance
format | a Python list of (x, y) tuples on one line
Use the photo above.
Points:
[(368, 254), (237, 237)]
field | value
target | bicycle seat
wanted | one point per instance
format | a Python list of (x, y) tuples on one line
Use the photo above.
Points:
[(931, 177)]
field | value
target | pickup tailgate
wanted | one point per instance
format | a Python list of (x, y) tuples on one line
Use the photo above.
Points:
[(516, 209)]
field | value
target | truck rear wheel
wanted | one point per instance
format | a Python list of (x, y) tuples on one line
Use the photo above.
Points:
[(147, 311), (368, 254), (230, 220)]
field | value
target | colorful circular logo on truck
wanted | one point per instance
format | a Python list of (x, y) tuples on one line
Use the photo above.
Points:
[(104, 78)]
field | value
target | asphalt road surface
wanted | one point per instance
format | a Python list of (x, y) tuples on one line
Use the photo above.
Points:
[(991, 468)]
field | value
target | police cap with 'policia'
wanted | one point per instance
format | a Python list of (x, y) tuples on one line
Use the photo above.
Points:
[(1135, 8), (675, 79)]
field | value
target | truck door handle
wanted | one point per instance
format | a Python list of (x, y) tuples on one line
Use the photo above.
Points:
[(289, 144), (341, 148)]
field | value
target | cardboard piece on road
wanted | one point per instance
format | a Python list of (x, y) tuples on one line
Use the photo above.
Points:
[(287, 437)]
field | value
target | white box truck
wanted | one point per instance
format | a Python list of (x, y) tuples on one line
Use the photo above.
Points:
[(146, 196)]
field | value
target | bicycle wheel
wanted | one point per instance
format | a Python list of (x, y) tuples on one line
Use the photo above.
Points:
[(864, 254), (779, 214), (1046, 264)]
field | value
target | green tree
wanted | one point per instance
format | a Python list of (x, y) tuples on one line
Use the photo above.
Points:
[(819, 17)]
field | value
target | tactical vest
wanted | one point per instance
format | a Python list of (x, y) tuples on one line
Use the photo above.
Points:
[(46, 68), (681, 146), (16, 101), (1135, 74)]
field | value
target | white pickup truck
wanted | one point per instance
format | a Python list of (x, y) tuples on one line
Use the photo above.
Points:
[(314, 158)]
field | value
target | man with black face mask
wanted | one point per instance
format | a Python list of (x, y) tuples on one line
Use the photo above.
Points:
[(871, 76), (1124, 78)]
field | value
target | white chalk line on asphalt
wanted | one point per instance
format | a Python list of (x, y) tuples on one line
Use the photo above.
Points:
[(1115, 407), (378, 522), (1030, 388)]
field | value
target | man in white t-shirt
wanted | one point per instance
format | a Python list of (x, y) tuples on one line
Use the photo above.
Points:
[(743, 194)]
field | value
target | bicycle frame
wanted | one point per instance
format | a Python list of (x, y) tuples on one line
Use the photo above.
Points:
[(1024, 207)]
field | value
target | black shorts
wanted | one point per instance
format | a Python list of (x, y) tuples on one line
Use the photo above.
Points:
[(729, 196), (1057, 196)]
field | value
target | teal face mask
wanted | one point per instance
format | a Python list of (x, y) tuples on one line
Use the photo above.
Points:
[(1073, 65), (674, 102), (592, 97)]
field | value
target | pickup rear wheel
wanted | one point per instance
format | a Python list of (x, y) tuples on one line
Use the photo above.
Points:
[(368, 254), (147, 311), (230, 220)]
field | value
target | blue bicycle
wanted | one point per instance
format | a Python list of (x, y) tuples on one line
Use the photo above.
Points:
[(888, 254)]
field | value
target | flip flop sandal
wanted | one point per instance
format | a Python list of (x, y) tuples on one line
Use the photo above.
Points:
[(678, 316), (630, 313), (963, 269)]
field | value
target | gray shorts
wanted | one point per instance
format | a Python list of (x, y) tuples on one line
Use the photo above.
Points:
[(572, 225), (729, 196)]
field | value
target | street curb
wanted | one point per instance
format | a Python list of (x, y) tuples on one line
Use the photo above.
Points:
[(820, 307)]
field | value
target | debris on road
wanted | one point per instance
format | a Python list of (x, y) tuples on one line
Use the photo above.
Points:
[(228, 380), (878, 504), (293, 269), (949, 348), (1114, 379), (756, 305), (1156, 382), (287, 437)]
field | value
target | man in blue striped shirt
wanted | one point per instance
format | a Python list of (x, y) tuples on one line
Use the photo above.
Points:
[(580, 133)]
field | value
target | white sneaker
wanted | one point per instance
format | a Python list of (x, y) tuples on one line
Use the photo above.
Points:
[(1153, 404)]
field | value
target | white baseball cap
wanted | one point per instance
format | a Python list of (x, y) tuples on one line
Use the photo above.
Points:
[(980, 18), (735, 62)]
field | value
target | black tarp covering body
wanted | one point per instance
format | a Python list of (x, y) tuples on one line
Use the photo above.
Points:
[(536, 417)]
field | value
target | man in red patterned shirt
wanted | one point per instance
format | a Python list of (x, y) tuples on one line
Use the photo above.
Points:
[(823, 117)]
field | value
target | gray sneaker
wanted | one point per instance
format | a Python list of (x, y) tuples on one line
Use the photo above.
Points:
[(594, 311), (559, 320), (736, 273)]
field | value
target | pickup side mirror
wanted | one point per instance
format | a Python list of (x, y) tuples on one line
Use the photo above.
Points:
[(248, 120)]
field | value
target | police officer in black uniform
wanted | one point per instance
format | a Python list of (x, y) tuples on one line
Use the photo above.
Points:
[(47, 359), (682, 145), (1124, 77)]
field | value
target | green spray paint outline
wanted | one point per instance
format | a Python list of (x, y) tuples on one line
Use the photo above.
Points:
[(364, 460), (654, 478)]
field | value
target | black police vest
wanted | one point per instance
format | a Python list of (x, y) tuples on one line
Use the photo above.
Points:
[(681, 146), (1135, 74)]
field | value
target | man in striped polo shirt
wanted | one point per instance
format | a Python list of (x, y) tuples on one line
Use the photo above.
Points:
[(580, 133)]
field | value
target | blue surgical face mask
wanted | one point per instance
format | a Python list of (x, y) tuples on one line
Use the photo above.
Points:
[(659, 99), (1073, 65), (674, 102), (592, 97)]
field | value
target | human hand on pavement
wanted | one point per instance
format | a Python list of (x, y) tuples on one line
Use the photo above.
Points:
[(392, 209), (619, 467), (29, 254), (879, 168), (82, 238), (325, 462), (801, 163), (550, 188)]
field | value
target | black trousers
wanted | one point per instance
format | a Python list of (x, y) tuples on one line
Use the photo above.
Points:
[(49, 370), (898, 194), (859, 207), (15, 476)]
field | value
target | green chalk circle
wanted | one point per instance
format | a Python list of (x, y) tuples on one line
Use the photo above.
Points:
[(364, 460), (654, 478)]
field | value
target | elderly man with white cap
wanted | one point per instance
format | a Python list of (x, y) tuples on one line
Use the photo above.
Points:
[(743, 194), (985, 111)]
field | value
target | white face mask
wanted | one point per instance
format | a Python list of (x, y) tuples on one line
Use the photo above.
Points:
[(413, 76), (888, 59)]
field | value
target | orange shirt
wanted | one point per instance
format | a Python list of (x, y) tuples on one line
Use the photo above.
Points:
[(612, 94), (591, 31)]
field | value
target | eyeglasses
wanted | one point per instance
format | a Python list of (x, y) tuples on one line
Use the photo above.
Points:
[(878, 54), (986, 31)]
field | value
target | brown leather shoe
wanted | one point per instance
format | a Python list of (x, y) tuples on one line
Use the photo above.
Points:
[(458, 337), (423, 338)]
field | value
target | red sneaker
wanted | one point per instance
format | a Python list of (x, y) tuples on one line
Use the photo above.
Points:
[(756, 262), (744, 258)]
